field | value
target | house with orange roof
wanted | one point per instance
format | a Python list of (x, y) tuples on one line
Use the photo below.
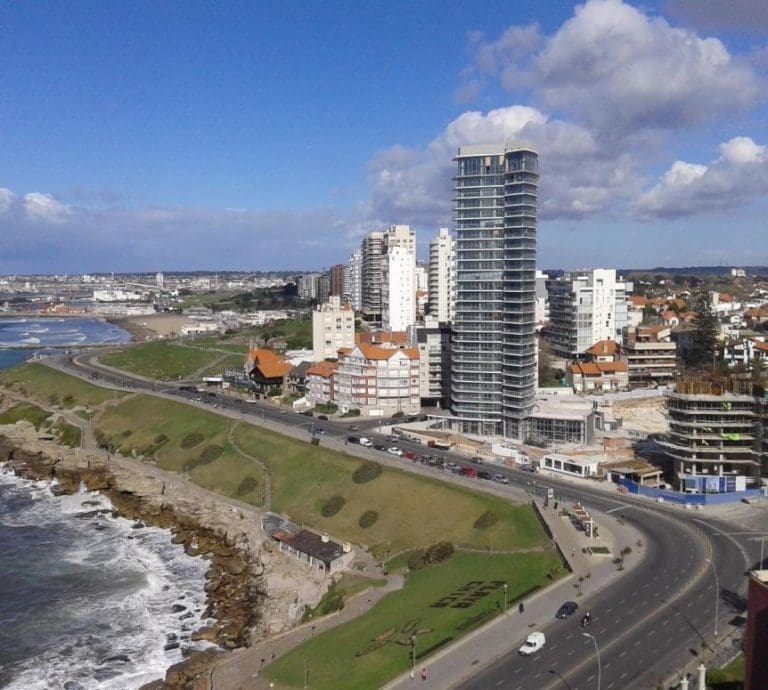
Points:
[(603, 351), (595, 377), (266, 370), (756, 316), (399, 338), (378, 380), (670, 318)]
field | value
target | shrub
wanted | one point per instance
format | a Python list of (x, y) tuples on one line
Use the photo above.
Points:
[(246, 486), (368, 518), (438, 552), (209, 454), (416, 560), (366, 472), (332, 506), (487, 519), (191, 440), (68, 400), (160, 439)]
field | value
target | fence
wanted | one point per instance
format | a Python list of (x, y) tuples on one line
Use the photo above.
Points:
[(688, 499)]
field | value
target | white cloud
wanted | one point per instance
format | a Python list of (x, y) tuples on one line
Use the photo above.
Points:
[(44, 207), (613, 67), (738, 177), (7, 197)]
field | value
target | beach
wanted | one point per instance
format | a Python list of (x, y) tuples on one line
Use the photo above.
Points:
[(148, 327)]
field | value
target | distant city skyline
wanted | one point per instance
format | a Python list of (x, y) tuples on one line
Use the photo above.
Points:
[(149, 137)]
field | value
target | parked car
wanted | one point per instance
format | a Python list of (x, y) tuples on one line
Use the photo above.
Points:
[(353, 439), (426, 457), (567, 609), (379, 446), (533, 643), (466, 471), (484, 475), (324, 417), (477, 460), (411, 455), (395, 451), (500, 478), (365, 442)]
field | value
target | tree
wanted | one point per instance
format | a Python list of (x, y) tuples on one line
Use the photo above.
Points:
[(706, 329)]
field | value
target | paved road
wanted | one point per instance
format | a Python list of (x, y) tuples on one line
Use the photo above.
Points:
[(647, 625)]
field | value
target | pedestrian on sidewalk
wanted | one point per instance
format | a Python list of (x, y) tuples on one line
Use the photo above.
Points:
[(424, 674), (521, 607)]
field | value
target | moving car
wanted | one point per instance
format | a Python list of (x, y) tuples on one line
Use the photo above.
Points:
[(533, 643), (484, 475), (353, 427), (364, 441), (567, 609), (500, 478), (379, 446), (411, 455), (319, 431), (324, 417), (353, 439), (395, 451), (477, 460)]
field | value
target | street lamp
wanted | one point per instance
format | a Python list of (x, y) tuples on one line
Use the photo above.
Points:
[(597, 653), (413, 655), (711, 561), (505, 597)]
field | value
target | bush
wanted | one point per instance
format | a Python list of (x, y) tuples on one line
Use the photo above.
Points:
[(366, 472), (368, 518), (209, 454), (160, 439), (416, 560), (246, 486), (68, 400), (487, 519), (191, 440), (439, 552), (332, 506)]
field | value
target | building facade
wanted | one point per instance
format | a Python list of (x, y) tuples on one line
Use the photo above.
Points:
[(493, 358), (585, 307), (333, 327), (353, 280), (651, 355), (756, 633), (372, 251), (398, 289), (433, 341), (441, 276), (336, 279)]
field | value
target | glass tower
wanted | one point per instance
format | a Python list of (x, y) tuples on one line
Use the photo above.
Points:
[(493, 351)]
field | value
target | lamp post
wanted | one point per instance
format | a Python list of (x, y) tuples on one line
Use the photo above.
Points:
[(711, 561), (505, 597), (413, 655), (306, 674), (597, 653)]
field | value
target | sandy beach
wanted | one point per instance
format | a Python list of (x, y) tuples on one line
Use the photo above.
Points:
[(151, 326)]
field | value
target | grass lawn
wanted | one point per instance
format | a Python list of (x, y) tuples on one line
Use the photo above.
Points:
[(347, 586), (69, 435), (31, 413), (39, 383), (233, 362), (413, 511), (159, 360), (730, 677), (438, 604), (139, 423)]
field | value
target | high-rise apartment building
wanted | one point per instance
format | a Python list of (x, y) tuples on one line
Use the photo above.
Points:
[(398, 289), (372, 250), (441, 276), (336, 277), (333, 327), (353, 280), (493, 359), (585, 307)]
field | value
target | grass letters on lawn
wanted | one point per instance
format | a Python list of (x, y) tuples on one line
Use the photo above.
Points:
[(438, 604), (160, 360)]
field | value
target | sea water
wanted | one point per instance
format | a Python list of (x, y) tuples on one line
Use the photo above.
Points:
[(89, 600)]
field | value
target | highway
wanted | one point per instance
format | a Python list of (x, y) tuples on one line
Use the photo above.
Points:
[(647, 625)]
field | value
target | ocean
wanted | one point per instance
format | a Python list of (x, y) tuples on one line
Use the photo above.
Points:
[(86, 600), (89, 600)]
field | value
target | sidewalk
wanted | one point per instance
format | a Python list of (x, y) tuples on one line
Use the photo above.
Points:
[(456, 663)]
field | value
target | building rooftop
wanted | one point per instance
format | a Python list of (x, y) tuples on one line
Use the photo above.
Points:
[(318, 546)]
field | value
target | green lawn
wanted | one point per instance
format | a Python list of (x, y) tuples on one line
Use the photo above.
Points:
[(138, 423), (730, 677), (413, 511), (68, 434), (233, 362), (438, 604), (297, 333), (39, 383), (340, 592), (160, 360), (31, 413)]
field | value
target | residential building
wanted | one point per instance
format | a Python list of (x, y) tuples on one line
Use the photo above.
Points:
[(398, 288), (756, 633), (433, 341), (265, 370), (353, 280), (651, 355), (598, 377), (320, 380), (336, 280), (541, 309), (493, 358), (716, 434), (377, 380), (333, 327), (745, 351), (441, 276), (309, 286), (585, 307), (384, 338), (372, 251), (422, 276)]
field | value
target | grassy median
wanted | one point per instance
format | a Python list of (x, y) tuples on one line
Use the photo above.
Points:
[(160, 360)]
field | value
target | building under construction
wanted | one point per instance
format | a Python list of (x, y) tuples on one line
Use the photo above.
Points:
[(717, 439)]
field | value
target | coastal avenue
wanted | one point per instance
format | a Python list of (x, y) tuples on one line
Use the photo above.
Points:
[(648, 624)]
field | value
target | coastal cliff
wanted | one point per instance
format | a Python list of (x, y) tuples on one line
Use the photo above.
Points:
[(251, 590)]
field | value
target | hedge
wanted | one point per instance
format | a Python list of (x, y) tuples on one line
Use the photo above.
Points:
[(368, 518), (366, 472), (332, 506)]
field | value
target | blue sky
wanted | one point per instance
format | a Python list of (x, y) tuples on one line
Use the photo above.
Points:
[(161, 136)]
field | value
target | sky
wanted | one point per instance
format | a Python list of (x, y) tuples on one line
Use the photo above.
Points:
[(192, 135)]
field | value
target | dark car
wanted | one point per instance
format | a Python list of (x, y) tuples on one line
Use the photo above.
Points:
[(211, 394), (477, 460), (379, 446), (353, 428), (353, 439), (318, 431), (567, 609), (324, 417), (484, 475)]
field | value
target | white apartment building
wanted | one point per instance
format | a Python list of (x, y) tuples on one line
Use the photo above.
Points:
[(353, 280), (333, 327), (377, 380), (584, 308), (442, 273), (422, 277), (398, 278)]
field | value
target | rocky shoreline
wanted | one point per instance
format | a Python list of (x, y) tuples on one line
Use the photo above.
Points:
[(233, 545)]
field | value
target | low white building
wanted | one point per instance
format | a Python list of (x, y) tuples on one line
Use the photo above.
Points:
[(565, 464)]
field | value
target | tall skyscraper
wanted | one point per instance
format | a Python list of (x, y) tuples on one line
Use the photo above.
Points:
[(353, 280), (441, 276), (493, 378), (336, 276), (372, 253)]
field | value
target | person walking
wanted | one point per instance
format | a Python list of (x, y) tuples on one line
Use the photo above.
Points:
[(521, 607), (424, 673)]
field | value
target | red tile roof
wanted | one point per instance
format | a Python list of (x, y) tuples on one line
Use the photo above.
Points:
[(270, 364), (603, 347), (324, 369)]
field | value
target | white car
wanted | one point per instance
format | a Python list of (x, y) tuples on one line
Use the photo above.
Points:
[(365, 442), (533, 643), (500, 478), (395, 451)]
